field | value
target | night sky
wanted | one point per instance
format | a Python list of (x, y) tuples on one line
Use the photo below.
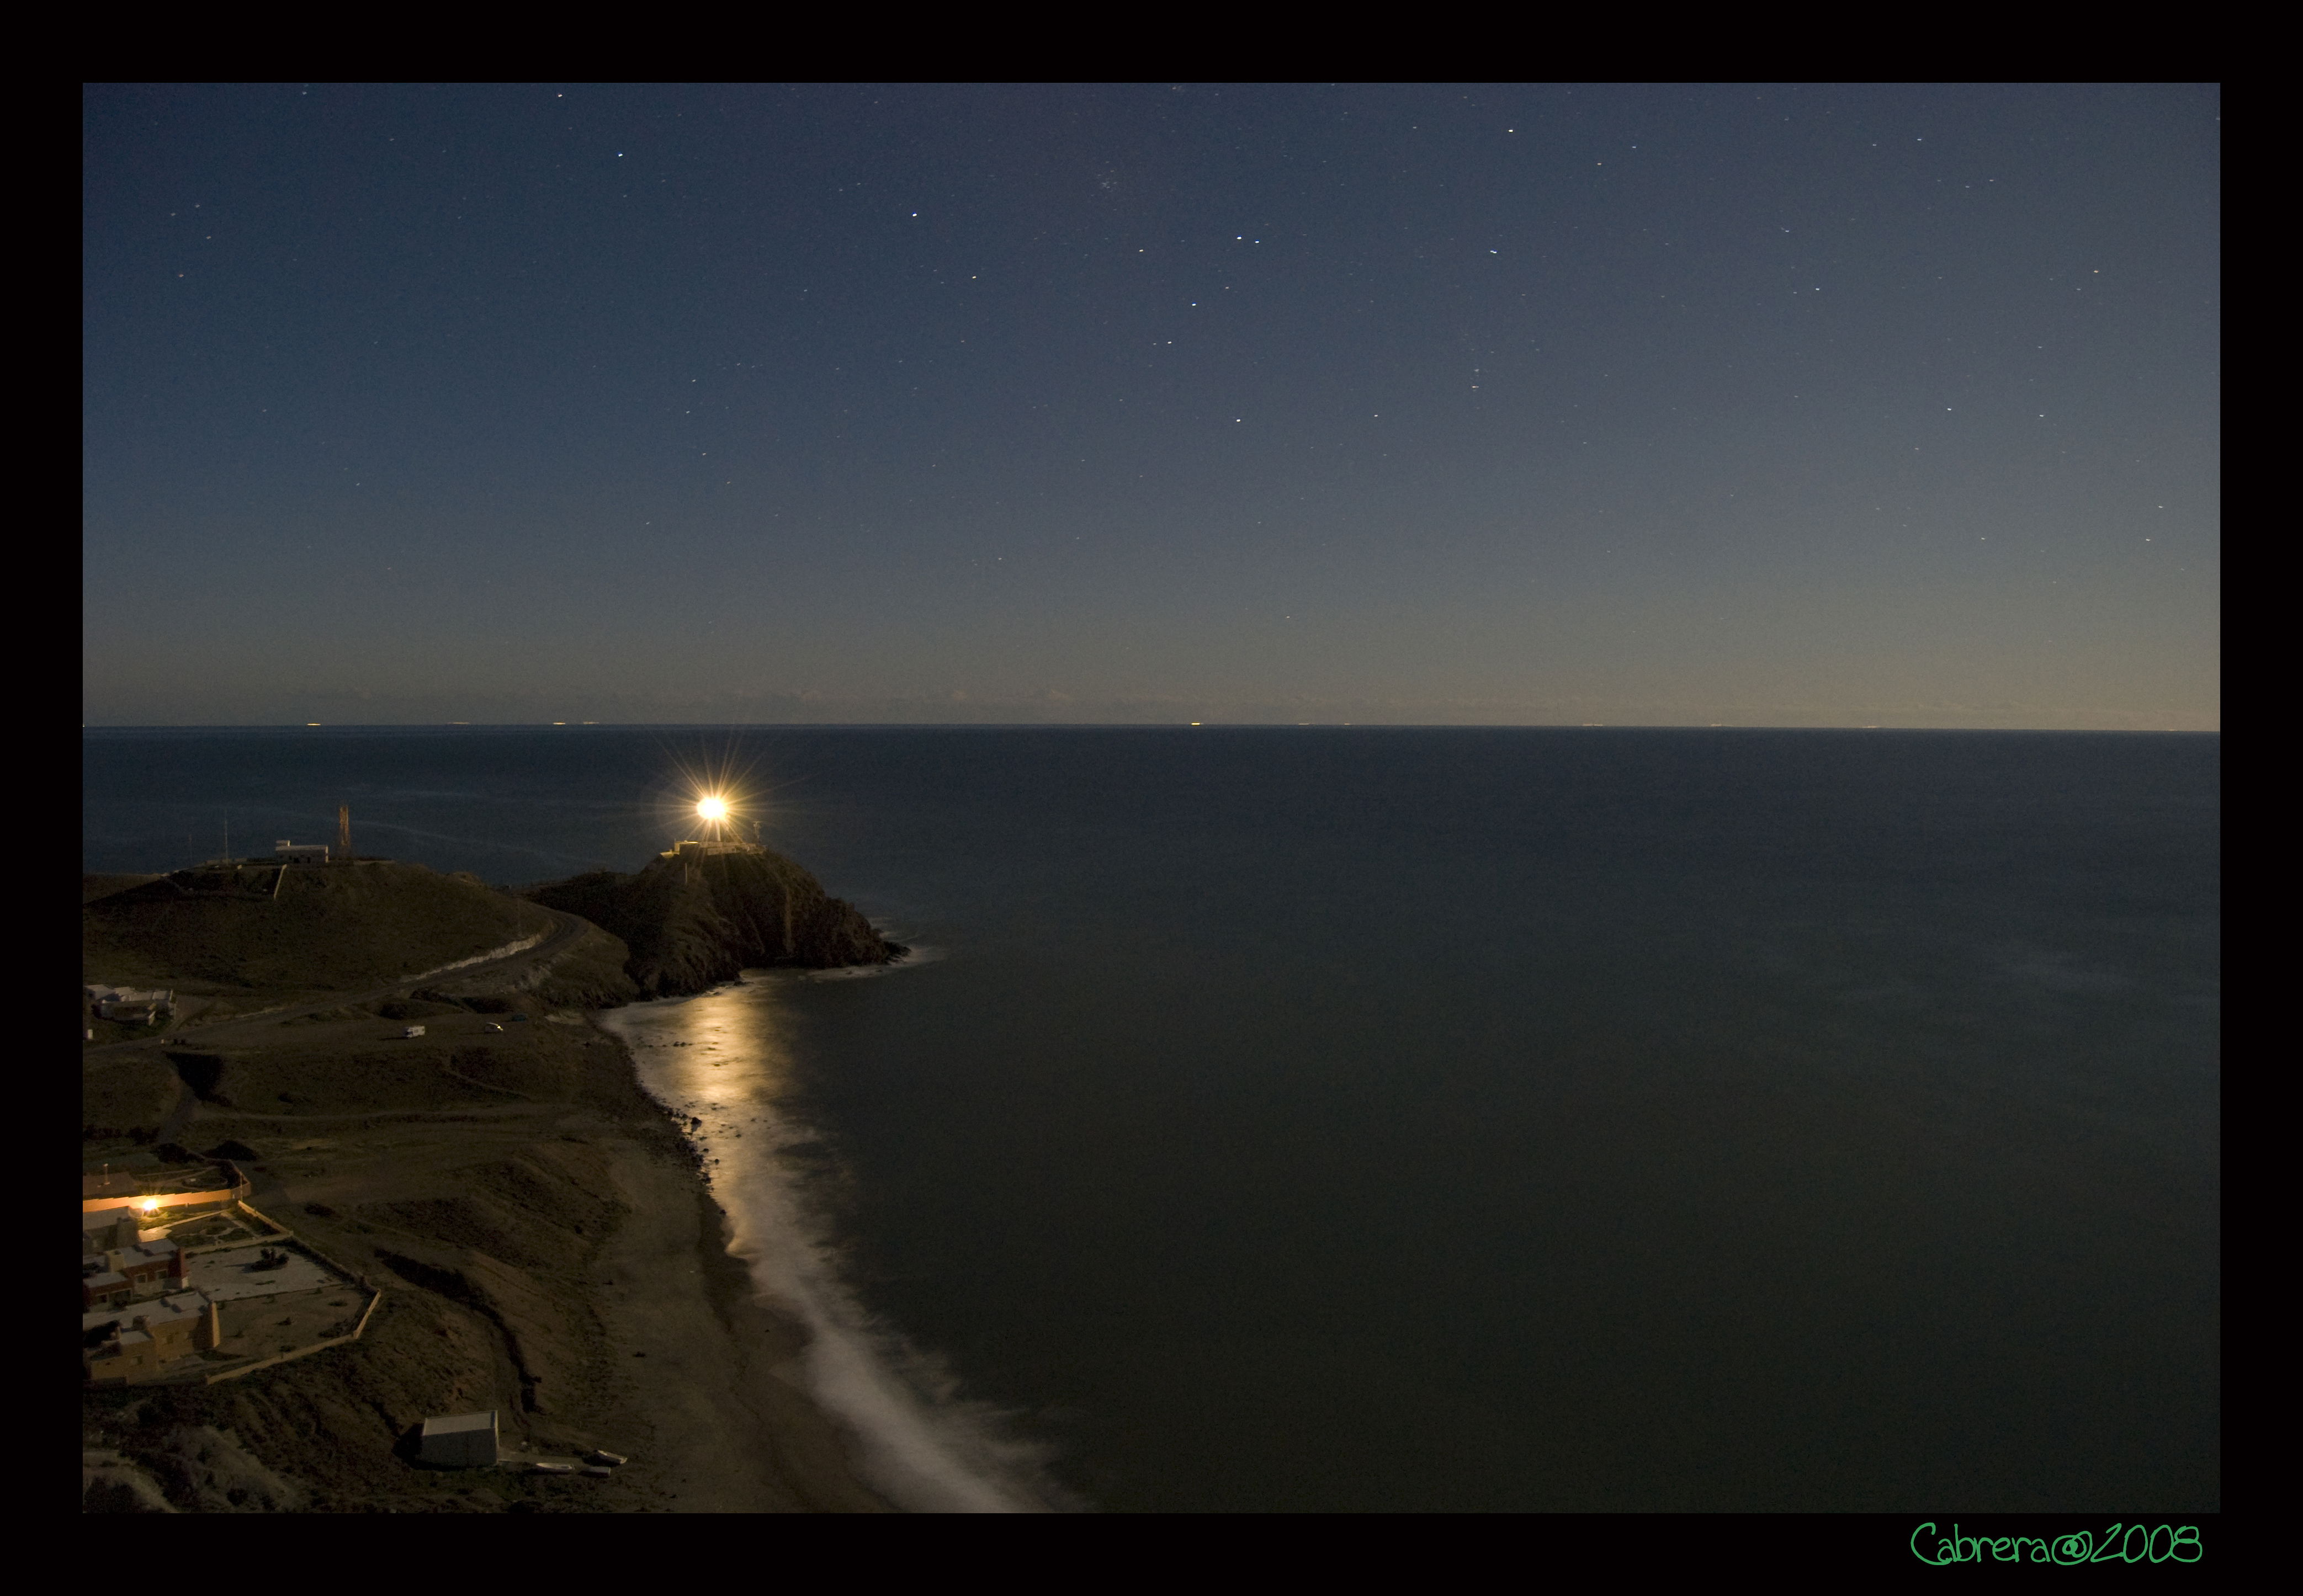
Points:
[(1792, 407)]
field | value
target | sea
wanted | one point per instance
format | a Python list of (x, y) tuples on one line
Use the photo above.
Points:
[(1344, 1119)]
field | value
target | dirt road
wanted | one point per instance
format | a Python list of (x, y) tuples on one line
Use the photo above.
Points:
[(251, 1028)]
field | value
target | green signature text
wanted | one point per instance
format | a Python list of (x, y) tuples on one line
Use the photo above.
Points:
[(2121, 1543)]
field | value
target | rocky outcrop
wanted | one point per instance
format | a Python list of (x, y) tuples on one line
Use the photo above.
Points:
[(698, 917)]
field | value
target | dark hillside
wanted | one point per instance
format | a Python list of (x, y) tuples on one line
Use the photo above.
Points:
[(92, 887), (328, 928)]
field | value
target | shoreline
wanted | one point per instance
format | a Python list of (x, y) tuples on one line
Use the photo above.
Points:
[(917, 1453), (549, 1247), (720, 1375)]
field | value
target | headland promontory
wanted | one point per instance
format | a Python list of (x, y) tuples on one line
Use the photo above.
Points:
[(398, 1062), (703, 913)]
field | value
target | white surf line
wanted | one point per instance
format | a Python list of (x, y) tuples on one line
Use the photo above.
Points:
[(909, 1450), (913, 960)]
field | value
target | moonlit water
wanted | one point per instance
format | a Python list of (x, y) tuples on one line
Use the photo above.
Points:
[(717, 1063), (1428, 1120)]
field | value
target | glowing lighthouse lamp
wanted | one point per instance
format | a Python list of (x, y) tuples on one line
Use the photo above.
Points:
[(713, 811)]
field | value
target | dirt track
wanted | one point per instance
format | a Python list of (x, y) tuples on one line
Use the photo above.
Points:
[(567, 929), (546, 1248)]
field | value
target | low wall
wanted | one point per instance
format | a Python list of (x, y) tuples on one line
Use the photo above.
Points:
[(280, 1233), (167, 1199), (253, 1211), (289, 1357), (285, 1234)]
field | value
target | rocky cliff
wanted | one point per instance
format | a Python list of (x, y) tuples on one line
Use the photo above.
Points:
[(695, 918)]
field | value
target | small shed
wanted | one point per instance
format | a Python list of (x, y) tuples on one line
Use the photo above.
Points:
[(460, 1441)]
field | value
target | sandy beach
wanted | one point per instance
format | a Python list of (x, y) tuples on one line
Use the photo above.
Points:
[(546, 1247), (718, 1382)]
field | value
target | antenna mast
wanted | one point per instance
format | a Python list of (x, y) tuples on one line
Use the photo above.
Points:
[(344, 831)]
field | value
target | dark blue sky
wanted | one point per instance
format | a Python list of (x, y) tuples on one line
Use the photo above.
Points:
[(1802, 405)]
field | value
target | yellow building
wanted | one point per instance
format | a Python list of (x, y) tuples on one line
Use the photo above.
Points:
[(119, 1345)]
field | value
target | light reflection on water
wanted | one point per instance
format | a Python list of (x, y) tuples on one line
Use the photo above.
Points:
[(722, 1062), (1450, 1119)]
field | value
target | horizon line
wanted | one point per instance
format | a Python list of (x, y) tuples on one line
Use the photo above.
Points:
[(1046, 725)]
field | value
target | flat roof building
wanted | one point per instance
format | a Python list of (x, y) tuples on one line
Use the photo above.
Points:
[(692, 849), (120, 1345), (458, 1440), (119, 1276), (128, 1004)]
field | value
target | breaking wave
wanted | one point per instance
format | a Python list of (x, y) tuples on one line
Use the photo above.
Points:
[(715, 1061)]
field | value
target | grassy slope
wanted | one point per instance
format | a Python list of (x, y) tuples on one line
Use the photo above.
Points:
[(329, 928)]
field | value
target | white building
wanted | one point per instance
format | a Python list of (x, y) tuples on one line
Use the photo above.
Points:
[(460, 1441), (130, 1005)]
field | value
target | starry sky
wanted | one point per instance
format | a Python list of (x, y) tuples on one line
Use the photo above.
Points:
[(1744, 405)]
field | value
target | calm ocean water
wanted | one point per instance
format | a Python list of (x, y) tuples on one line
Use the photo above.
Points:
[(1365, 1119)]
